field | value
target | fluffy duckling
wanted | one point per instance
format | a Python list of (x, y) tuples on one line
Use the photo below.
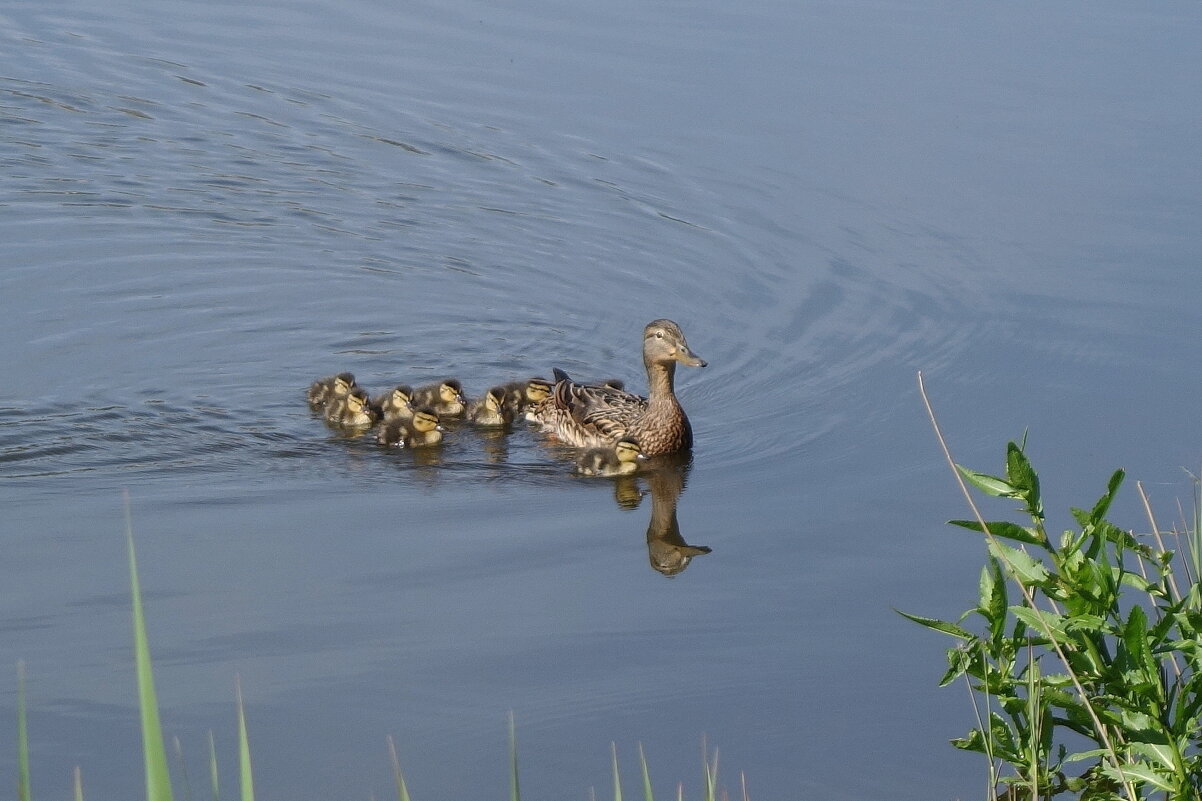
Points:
[(491, 409), (521, 395), (352, 410), (620, 460), (324, 390), (445, 397), (395, 403), (417, 432)]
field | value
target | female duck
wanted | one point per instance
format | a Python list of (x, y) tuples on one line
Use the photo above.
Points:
[(445, 397), (325, 390), (589, 416), (490, 411), (620, 460), (353, 410), (418, 432)]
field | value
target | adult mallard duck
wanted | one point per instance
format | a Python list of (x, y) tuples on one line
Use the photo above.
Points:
[(354, 410), (620, 460), (324, 390), (419, 431), (490, 410), (445, 397), (586, 415), (395, 403)]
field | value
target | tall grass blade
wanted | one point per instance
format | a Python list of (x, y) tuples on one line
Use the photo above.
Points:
[(183, 768), (23, 793), (246, 779), (154, 755), (613, 748), (647, 796), (515, 792), (401, 790), (213, 767), (78, 782)]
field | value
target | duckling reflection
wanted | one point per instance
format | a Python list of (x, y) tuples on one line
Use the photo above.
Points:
[(666, 549)]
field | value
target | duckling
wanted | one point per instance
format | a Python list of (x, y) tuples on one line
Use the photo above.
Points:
[(490, 410), (419, 431), (352, 410), (521, 395), (394, 404), (445, 397), (324, 390), (620, 460)]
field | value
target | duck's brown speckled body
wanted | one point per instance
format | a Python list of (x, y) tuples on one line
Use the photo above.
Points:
[(589, 416)]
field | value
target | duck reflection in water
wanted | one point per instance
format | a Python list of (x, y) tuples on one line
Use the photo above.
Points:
[(666, 549), (666, 477)]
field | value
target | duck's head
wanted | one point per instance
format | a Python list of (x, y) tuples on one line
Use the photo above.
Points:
[(628, 450), (495, 399), (356, 400), (426, 420), (401, 394), (451, 391), (343, 383), (538, 390), (664, 343)]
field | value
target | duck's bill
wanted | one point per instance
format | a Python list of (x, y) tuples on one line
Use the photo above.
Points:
[(689, 359)]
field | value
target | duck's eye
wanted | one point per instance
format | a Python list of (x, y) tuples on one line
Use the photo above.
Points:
[(659, 334)]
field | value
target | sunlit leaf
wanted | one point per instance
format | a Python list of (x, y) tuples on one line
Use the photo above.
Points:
[(990, 485), (1026, 569), (939, 625), (23, 793), (1004, 529)]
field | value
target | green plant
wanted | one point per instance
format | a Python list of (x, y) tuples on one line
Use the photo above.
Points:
[(1085, 649)]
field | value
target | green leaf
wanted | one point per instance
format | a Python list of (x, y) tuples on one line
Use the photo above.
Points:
[(1046, 623), (990, 485), (23, 793), (1138, 772), (647, 796), (401, 790), (1007, 530), (154, 754), (613, 748), (1160, 753), (1026, 569), (213, 767), (247, 782), (939, 625)]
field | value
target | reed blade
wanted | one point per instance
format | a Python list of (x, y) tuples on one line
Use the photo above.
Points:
[(23, 793), (246, 779)]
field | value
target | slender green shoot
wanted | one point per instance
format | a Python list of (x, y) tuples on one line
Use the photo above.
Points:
[(402, 791), (244, 771), (154, 755), (613, 749), (213, 767), (515, 792), (183, 768), (22, 738), (78, 784), (647, 796)]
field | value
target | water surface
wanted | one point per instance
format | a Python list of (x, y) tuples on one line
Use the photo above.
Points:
[(204, 206)]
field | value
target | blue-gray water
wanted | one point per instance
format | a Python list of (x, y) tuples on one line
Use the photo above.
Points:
[(204, 206)]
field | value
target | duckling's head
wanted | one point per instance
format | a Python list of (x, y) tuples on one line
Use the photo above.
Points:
[(356, 400), (401, 394), (495, 399), (538, 390), (451, 391), (664, 343), (628, 449), (343, 383), (426, 420)]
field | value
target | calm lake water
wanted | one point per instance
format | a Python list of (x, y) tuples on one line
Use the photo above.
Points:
[(204, 206)]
